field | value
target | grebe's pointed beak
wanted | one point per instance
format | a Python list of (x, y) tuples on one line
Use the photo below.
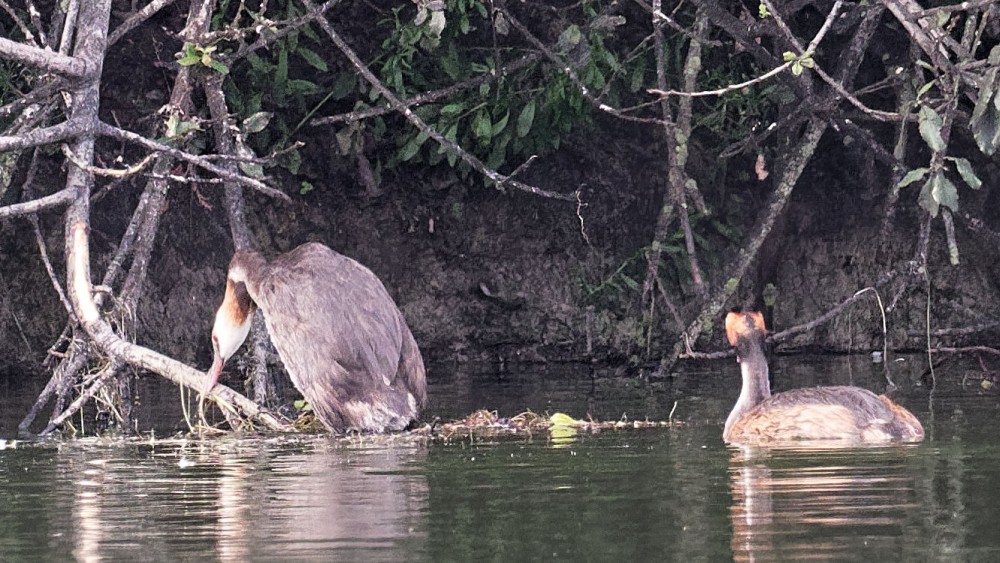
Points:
[(214, 372)]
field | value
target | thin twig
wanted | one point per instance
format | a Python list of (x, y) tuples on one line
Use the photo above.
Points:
[(109, 172), (136, 19), (199, 161)]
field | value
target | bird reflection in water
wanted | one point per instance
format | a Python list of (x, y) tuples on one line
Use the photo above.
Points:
[(312, 500), (817, 504)]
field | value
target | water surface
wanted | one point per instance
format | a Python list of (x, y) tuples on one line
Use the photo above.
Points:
[(638, 495)]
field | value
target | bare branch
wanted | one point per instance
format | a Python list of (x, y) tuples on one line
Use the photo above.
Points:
[(20, 23), (199, 161), (35, 96), (43, 59), (58, 199), (725, 89), (269, 36), (694, 36), (38, 137), (961, 6), (136, 19), (111, 172)]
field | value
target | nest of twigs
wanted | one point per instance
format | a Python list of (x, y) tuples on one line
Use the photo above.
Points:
[(488, 423)]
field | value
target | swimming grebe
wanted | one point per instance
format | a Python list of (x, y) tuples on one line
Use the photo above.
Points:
[(848, 414), (339, 334)]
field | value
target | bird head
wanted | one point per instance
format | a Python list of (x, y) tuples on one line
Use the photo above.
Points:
[(232, 324), (745, 330)]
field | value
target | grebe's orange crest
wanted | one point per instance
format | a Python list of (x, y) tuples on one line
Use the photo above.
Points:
[(739, 324)]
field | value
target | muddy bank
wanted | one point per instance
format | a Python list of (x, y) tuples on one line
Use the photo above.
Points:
[(483, 275)]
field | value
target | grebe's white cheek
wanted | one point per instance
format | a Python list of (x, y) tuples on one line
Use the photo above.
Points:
[(227, 336)]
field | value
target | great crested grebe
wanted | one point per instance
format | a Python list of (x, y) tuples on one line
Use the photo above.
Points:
[(847, 414), (339, 334)]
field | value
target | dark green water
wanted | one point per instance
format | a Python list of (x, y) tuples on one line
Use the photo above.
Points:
[(675, 494)]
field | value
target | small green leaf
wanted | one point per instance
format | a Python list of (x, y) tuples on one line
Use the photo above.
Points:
[(923, 89), (938, 191), (762, 11), (482, 127), (253, 169), (189, 55), (638, 75), (560, 419), (217, 66), (926, 198), (912, 176), (770, 294), (303, 87), (788, 55), (453, 109), (188, 60), (291, 161), (499, 126), (985, 121), (345, 140), (312, 58), (797, 68), (968, 175), (945, 192), (257, 122), (343, 85), (526, 118), (500, 24), (570, 37), (304, 188), (930, 128), (409, 150)]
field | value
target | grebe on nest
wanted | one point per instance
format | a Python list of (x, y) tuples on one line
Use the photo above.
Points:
[(339, 334), (847, 414)]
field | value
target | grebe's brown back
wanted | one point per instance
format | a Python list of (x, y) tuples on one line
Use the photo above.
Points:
[(339, 334), (846, 414)]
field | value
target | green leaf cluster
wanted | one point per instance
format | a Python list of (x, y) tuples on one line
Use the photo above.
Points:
[(504, 120), (938, 189)]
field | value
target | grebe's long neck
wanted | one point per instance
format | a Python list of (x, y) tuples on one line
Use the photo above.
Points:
[(756, 386)]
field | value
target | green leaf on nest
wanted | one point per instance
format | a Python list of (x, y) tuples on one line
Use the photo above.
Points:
[(560, 419)]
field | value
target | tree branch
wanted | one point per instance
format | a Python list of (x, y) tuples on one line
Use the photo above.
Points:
[(199, 161), (58, 199), (44, 59), (38, 137)]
